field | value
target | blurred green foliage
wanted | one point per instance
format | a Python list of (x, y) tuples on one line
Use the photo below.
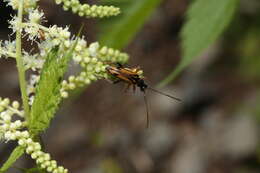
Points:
[(118, 31), (16, 153), (110, 165), (206, 21), (250, 54)]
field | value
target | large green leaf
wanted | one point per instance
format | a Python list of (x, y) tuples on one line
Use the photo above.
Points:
[(17, 153), (206, 21), (118, 31), (48, 96)]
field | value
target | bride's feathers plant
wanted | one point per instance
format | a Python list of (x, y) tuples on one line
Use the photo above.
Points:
[(42, 93)]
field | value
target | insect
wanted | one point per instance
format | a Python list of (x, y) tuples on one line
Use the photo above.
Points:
[(42, 35), (133, 77)]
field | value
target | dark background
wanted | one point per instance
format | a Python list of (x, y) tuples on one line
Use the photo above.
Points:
[(214, 129)]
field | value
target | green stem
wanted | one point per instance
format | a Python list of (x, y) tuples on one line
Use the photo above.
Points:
[(19, 61)]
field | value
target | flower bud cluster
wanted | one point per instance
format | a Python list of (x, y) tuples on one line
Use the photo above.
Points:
[(13, 130), (88, 10), (7, 111), (93, 61), (33, 62), (42, 159), (7, 49), (34, 149), (83, 79)]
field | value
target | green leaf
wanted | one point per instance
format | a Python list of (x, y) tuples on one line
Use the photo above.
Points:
[(48, 96), (206, 21), (17, 153), (119, 31)]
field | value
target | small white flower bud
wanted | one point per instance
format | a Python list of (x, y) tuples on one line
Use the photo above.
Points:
[(43, 166), (78, 48), (15, 104), (40, 154), (49, 169), (66, 34), (97, 69), (6, 101), (110, 51), (94, 60), (18, 123), (12, 126), (72, 78), (77, 59), (47, 157), (67, 43), (60, 169), (1, 108), (103, 50), (86, 59), (47, 163), (13, 136), (37, 146), (21, 142), (5, 127), (7, 135), (58, 1), (29, 141), (64, 83), (53, 163), (55, 171), (29, 149), (34, 155), (18, 134), (92, 77), (39, 160), (25, 134), (83, 74), (72, 86), (64, 94), (7, 118), (87, 81)]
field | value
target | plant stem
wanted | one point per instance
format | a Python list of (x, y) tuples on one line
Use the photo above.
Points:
[(19, 61)]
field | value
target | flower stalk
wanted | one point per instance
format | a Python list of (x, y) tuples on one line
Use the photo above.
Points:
[(19, 61)]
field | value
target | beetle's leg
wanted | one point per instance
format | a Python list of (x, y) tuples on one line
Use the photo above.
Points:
[(116, 81), (134, 88), (113, 81), (127, 87)]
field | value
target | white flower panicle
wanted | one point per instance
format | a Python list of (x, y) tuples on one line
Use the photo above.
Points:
[(88, 10), (92, 59), (28, 4)]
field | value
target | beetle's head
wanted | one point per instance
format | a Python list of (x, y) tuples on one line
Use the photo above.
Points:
[(141, 85)]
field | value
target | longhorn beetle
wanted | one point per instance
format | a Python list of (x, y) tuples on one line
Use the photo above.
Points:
[(133, 77)]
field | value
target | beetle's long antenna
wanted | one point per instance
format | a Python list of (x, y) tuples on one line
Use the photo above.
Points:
[(147, 111), (154, 90)]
